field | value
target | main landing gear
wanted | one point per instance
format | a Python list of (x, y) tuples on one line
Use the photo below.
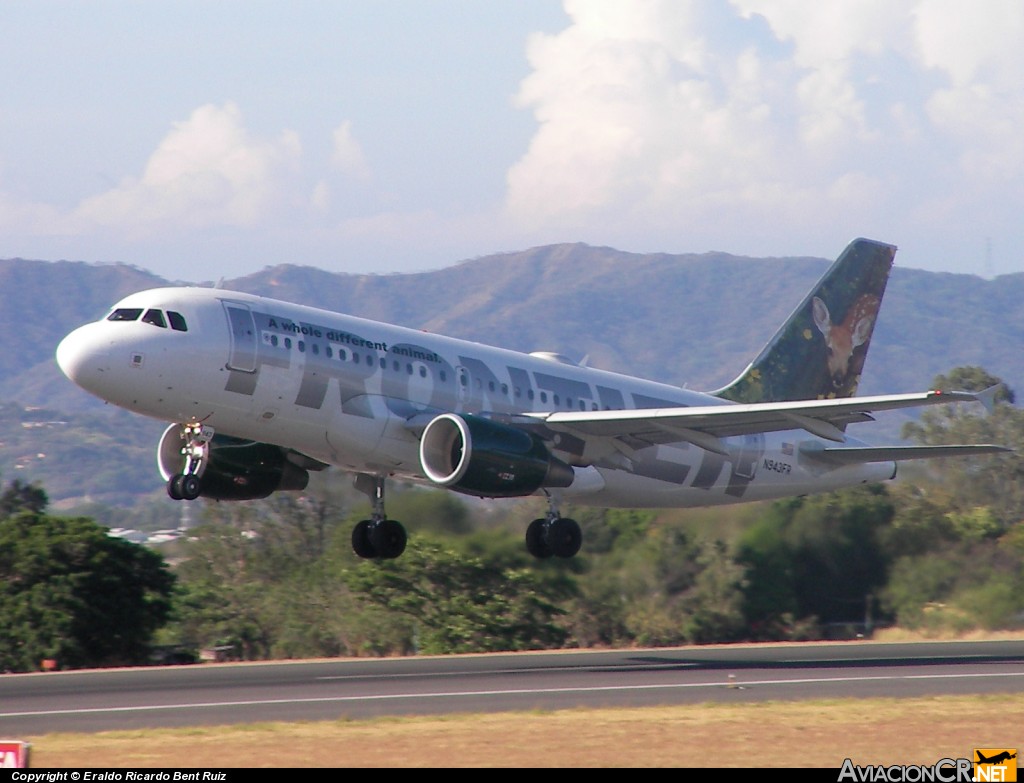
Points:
[(553, 535), (378, 536), (187, 484)]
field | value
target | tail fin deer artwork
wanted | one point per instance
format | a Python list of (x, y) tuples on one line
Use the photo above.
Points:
[(797, 364), (842, 339)]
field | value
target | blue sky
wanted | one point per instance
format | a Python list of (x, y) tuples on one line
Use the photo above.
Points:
[(210, 139)]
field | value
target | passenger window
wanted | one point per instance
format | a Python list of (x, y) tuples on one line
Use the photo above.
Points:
[(125, 314), (177, 321), (423, 372), (288, 343), (316, 349), (154, 317), (302, 346)]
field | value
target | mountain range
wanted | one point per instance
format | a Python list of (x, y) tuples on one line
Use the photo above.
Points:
[(686, 319)]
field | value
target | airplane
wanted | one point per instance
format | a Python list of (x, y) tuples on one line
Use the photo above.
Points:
[(260, 392), (999, 758)]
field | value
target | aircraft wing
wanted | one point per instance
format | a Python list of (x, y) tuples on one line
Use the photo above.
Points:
[(704, 426)]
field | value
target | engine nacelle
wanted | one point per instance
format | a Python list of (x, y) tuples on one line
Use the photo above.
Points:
[(488, 459), (233, 468)]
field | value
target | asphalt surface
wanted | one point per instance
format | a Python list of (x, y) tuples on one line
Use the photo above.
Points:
[(207, 694)]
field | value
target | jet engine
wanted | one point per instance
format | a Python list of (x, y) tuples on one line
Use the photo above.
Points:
[(481, 457), (232, 468)]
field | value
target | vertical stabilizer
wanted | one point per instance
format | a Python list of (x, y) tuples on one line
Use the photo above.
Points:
[(819, 352)]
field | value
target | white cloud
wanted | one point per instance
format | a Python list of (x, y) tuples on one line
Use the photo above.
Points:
[(831, 32), (972, 43), (768, 116), (347, 154), (29, 218), (752, 126), (209, 170), (624, 110)]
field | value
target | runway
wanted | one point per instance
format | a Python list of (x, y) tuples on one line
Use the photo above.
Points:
[(205, 694)]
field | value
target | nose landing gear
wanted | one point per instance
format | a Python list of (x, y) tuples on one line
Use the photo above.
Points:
[(187, 485)]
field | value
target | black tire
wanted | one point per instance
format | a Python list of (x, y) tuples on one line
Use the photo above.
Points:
[(191, 486), (536, 544), (361, 543), (174, 487), (388, 538), (564, 537)]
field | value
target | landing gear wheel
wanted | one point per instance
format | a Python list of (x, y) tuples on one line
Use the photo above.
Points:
[(184, 486), (536, 543), (388, 537), (564, 537), (190, 487), (174, 487), (361, 543)]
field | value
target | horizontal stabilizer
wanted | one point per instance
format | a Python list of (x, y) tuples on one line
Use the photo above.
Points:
[(988, 396), (849, 455)]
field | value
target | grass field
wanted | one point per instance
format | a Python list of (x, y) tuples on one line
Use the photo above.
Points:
[(803, 734)]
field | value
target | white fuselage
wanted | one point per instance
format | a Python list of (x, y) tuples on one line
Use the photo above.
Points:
[(356, 393)]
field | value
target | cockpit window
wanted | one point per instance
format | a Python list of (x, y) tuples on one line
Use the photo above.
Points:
[(152, 316), (177, 321), (155, 317), (125, 314)]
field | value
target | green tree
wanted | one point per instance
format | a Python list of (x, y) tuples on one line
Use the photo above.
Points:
[(459, 603), (19, 496), (966, 484), (975, 584), (821, 557), (227, 578), (715, 602), (70, 592)]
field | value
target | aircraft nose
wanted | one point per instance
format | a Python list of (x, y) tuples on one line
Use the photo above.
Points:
[(80, 356)]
